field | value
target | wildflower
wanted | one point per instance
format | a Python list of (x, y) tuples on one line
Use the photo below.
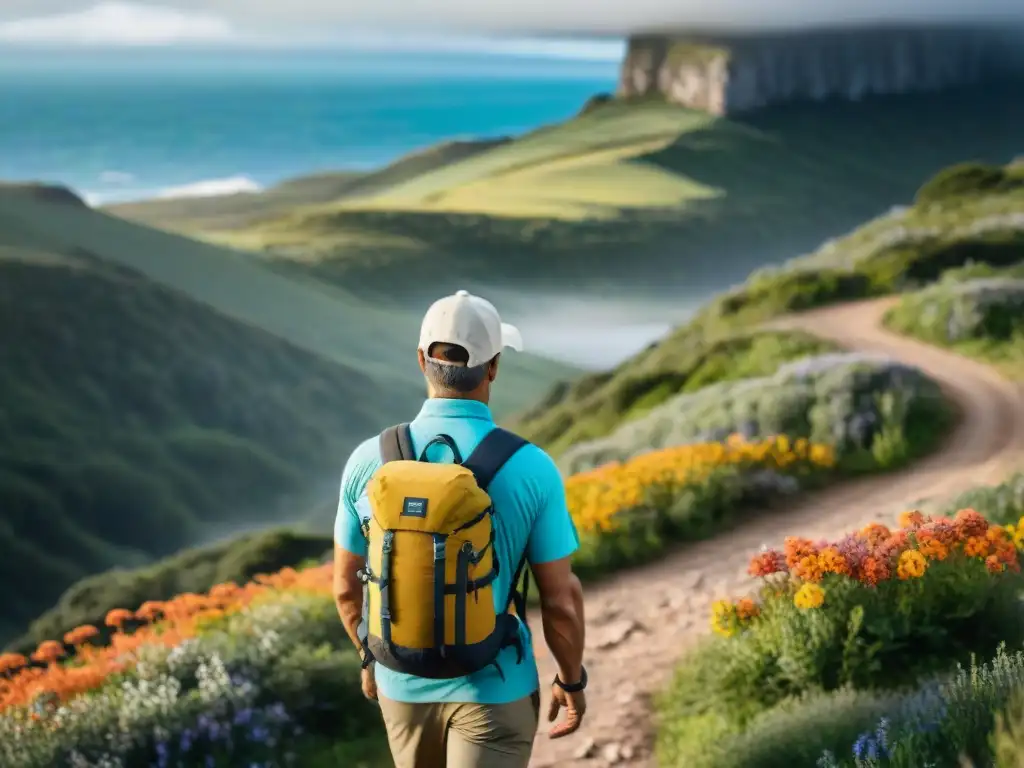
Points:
[(809, 596), (912, 565), (994, 565), (747, 609), (875, 533), (723, 618), (767, 563), (48, 652), (944, 530), (911, 519), (80, 635), (11, 661), (976, 546), (118, 617), (853, 550), (875, 570), (1016, 533), (808, 569), (150, 610), (970, 523), (831, 561), (797, 548), (930, 546)]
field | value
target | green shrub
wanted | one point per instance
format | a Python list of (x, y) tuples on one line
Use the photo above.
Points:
[(191, 571), (959, 180), (876, 414), (946, 722)]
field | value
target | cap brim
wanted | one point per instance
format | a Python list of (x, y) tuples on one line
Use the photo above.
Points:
[(511, 337)]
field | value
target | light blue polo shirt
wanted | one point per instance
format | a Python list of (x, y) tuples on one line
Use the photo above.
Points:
[(530, 516)]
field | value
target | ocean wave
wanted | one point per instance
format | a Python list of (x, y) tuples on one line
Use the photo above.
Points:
[(230, 185)]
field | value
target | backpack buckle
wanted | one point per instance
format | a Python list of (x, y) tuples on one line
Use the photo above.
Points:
[(389, 538), (439, 549)]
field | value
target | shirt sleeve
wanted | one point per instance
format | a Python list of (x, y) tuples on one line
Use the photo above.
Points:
[(348, 532), (553, 535)]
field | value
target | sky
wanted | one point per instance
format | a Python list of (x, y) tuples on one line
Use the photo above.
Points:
[(579, 29)]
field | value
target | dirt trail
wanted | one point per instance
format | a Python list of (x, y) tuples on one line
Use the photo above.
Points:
[(663, 607)]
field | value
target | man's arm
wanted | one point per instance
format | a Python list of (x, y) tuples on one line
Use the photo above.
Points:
[(561, 604), (348, 591)]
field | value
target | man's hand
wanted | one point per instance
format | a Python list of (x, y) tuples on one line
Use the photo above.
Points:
[(575, 707), (369, 683)]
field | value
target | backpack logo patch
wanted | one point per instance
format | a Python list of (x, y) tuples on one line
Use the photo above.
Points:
[(414, 507)]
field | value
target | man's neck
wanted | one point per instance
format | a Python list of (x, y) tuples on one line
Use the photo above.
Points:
[(479, 397)]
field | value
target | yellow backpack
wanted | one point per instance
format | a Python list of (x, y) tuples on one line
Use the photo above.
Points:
[(428, 603)]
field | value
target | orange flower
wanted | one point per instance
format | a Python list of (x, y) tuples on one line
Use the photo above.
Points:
[(970, 523), (929, 546), (831, 561), (911, 519), (797, 548), (117, 617), (875, 570), (976, 546), (767, 563), (80, 635), (808, 569), (875, 533), (747, 609), (10, 661), (994, 564), (48, 651), (150, 610)]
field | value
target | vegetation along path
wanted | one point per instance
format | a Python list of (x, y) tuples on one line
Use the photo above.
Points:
[(640, 623)]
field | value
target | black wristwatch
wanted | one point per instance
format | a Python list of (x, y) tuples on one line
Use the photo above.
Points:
[(574, 687)]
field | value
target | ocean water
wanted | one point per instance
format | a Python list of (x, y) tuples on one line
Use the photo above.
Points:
[(120, 126)]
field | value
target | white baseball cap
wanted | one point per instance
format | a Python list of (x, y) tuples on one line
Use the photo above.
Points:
[(470, 322)]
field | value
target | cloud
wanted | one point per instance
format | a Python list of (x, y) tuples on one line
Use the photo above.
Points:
[(615, 17), (455, 23), (120, 24)]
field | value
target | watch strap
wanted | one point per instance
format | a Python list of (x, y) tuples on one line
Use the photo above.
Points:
[(574, 687)]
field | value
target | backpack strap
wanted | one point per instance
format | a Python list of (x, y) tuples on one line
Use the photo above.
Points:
[(396, 444), (498, 446)]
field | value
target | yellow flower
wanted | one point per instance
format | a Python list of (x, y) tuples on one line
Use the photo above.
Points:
[(1016, 533), (597, 497), (809, 596), (912, 565), (723, 618)]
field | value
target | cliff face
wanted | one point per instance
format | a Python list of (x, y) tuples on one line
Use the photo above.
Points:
[(726, 75)]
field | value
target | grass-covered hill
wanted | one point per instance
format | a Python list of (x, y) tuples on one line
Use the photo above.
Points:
[(229, 212), (641, 194), (156, 393), (135, 421), (964, 230)]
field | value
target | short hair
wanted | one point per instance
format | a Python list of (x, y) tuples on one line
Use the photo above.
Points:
[(447, 369)]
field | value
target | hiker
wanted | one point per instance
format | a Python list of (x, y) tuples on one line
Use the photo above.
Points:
[(437, 523)]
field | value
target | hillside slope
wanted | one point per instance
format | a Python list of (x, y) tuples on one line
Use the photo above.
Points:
[(134, 421), (647, 194), (330, 322), (966, 222)]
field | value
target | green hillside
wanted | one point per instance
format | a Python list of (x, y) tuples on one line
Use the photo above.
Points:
[(135, 421), (157, 393), (226, 212), (963, 235), (645, 194), (329, 321)]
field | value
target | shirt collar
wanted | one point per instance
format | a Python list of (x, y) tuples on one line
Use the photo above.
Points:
[(455, 408)]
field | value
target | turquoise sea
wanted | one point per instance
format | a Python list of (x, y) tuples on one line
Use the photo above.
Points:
[(124, 125)]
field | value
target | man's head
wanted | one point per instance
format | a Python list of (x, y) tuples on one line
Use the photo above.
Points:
[(461, 339)]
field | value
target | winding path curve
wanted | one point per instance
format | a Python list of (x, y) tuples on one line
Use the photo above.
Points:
[(641, 622)]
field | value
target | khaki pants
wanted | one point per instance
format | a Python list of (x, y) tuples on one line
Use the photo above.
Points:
[(461, 735)]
